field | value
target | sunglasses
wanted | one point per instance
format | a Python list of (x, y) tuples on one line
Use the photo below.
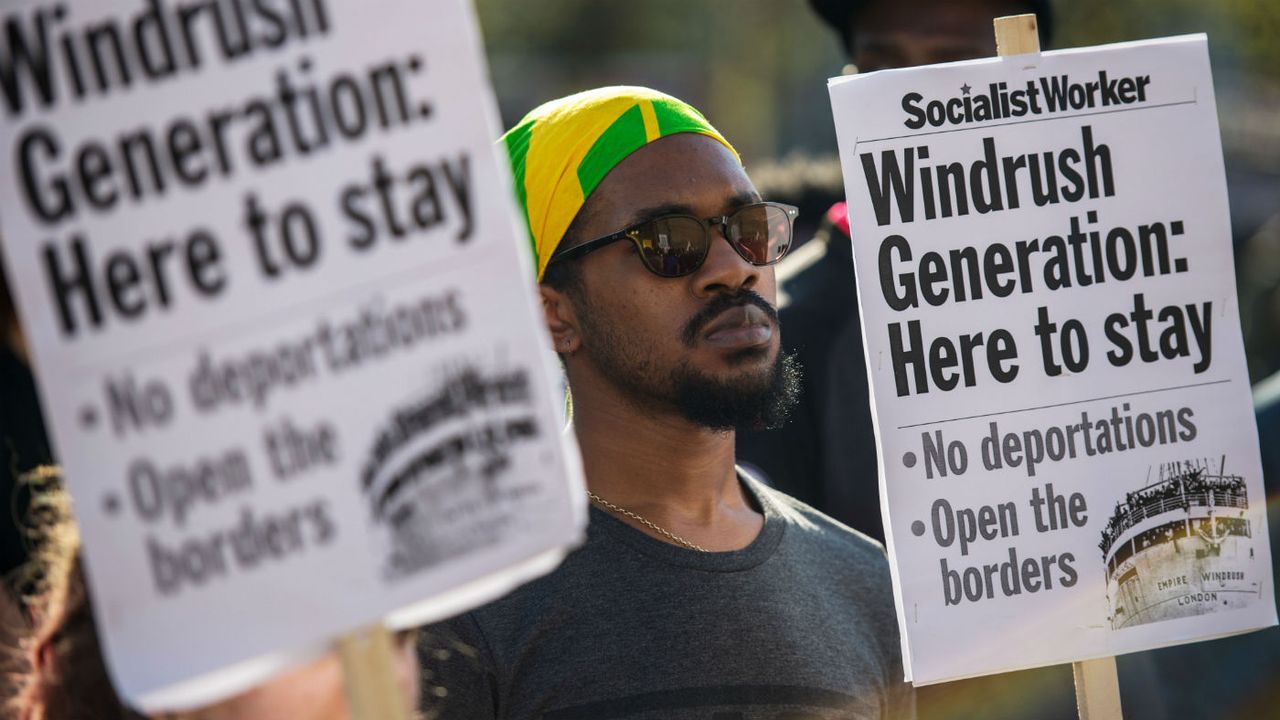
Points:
[(675, 245)]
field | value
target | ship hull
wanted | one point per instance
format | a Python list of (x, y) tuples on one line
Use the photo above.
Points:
[(1180, 567)]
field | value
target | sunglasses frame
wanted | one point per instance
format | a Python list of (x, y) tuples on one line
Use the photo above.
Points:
[(630, 233)]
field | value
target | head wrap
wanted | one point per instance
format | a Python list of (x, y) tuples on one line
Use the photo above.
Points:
[(562, 149)]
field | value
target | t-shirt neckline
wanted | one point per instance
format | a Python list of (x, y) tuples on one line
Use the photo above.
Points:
[(756, 552)]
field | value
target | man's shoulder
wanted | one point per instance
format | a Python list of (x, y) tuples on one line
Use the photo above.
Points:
[(834, 560), (817, 527)]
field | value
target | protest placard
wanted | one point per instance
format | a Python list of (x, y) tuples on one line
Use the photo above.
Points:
[(283, 319), (1069, 462)]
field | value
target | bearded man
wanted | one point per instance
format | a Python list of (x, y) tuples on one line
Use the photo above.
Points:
[(700, 593)]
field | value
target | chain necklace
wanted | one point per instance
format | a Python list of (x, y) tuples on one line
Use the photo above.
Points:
[(646, 523)]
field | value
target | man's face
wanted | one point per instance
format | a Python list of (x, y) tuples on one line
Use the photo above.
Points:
[(705, 345), (906, 33)]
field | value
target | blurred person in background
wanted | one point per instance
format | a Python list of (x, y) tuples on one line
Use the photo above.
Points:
[(54, 669), (1258, 279), (24, 444), (699, 592)]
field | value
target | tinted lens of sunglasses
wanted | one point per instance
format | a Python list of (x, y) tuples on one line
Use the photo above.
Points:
[(760, 233), (672, 246)]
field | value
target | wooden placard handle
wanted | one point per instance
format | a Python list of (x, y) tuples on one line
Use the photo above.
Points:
[(1097, 689), (369, 667), (1017, 35), (1097, 686)]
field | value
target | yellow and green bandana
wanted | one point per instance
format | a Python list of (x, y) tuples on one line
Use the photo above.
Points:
[(562, 149)]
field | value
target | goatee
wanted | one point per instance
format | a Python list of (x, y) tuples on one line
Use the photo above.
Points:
[(724, 406)]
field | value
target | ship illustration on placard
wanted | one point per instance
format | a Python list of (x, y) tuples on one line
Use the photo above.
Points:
[(441, 477), (1180, 547)]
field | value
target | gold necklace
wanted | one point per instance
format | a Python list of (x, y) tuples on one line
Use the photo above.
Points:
[(646, 523)]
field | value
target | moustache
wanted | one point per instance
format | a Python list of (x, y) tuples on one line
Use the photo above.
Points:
[(718, 305)]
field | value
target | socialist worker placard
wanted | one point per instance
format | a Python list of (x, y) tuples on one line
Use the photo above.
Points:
[(1069, 461), (284, 325)]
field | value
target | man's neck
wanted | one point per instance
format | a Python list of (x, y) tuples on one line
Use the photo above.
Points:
[(666, 469)]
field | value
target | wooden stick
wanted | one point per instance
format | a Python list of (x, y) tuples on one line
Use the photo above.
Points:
[(369, 665), (1017, 35), (1097, 689)]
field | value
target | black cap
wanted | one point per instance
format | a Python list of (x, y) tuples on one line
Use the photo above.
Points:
[(837, 14)]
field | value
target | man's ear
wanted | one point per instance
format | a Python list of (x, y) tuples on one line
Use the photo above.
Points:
[(561, 317)]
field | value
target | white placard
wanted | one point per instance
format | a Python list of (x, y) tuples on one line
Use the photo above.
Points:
[(1069, 461), (284, 324)]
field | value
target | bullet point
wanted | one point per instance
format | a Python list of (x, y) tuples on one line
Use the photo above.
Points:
[(111, 503), (909, 459), (88, 417), (917, 528)]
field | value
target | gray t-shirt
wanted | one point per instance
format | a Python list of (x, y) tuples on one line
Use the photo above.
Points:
[(798, 625)]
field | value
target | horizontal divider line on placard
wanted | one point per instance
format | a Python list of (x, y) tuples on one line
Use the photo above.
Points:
[(143, 354), (1064, 404), (1023, 122)]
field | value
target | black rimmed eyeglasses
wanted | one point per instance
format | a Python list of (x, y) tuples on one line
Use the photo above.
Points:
[(676, 245)]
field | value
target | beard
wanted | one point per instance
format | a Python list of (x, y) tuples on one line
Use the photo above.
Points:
[(752, 399), (764, 404)]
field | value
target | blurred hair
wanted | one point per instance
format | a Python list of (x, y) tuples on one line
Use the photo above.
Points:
[(840, 15), (60, 674)]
